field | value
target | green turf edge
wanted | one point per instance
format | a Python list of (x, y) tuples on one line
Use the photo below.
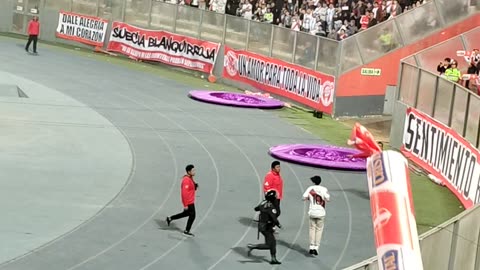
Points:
[(433, 204)]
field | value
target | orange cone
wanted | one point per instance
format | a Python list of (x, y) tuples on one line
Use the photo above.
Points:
[(212, 78)]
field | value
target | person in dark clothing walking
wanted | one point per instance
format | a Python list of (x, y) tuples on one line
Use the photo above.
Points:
[(188, 189), (33, 32), (267, 221)]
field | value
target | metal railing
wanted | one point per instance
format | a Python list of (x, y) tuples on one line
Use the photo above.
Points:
[(447, 102), (314, 52), (451, 245)]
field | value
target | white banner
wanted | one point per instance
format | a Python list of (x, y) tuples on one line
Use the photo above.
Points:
[(445, 154), (81, 28)]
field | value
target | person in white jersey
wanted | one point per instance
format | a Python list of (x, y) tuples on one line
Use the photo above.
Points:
[(317, 195)]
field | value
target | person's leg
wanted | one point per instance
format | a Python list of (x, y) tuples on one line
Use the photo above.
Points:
[(28, 42), (180, 215), (191, 217), (278, 208), (319, 224), (312, 234), (272, 244), (35, 38), (263, 246)]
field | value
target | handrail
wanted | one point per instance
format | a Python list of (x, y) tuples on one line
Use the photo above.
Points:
[(457, 85), (330, 64), (440, 227)]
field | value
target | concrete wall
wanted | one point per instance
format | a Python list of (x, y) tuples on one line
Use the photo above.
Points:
[(398, 120), (6, 15), (359, 105)]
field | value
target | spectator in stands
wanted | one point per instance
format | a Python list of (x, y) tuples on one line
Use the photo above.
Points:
[(473, 70), (296, 23), (373, 20), (386, 40), (452, 73), (330, 17), (341, 34), (364, 21), (308, 22), (352, 28), (395, 9), (444, 65), (268, 17)]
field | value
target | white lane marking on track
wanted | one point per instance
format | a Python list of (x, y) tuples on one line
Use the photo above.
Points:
[(206, 214), (127, 183), (347, 201), (349, 235), (213, 163), (175, 165)]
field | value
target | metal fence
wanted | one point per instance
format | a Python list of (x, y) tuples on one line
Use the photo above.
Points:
[(447, 102), (449, 246), (327, 56)]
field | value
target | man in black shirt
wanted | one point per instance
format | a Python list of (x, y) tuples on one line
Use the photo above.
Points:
[(267, 220)]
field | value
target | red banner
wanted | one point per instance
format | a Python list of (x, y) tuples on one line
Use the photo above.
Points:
[(162, 46), (305, 86), (81, 28), (443, 153)]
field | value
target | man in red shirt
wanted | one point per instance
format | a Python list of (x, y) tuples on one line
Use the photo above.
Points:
[(33, 32), (188, 200), (273, 181)]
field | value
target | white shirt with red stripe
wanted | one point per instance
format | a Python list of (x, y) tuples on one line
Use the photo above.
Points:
[(317, 196)]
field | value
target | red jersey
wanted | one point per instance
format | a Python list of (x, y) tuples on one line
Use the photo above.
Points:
[(273, 181), (34, 28), (188, 190), (364, 20)]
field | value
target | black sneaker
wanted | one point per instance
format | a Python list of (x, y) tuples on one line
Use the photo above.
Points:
[(310, 251), (189, 234), (274, 261), (250, 248), (315, 252), (168, 221)]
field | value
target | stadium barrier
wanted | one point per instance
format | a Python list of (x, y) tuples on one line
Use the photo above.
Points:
[(329, 58), (343, 60), (451, 245), (436, 123)]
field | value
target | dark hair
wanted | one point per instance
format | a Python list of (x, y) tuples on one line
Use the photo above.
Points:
[(316, 179), (381, 144), (275, 163), (189, 168)]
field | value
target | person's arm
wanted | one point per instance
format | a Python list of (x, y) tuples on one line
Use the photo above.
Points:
[(269, 183), (274, 218), (305, 194), (29, 28), (326, 195), (186, 188), (258, 207)]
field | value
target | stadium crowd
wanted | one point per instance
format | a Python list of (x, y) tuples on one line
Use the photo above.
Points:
[(449, 69), (335, 19)]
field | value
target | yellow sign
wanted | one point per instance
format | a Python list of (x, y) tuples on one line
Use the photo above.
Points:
[(371, 72)]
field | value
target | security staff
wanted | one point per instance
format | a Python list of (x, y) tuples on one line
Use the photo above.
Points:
[(267, 220)]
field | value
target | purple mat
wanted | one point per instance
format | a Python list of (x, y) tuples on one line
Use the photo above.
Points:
[(319, 155), (235, 99)]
